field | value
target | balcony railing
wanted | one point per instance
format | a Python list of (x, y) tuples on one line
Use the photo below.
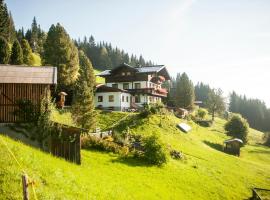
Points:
[(158, 92)]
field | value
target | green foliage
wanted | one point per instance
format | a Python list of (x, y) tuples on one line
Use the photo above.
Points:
[(26, 111), (83, 108), (154, 151), (215, 102), (201, 113), (91, 142), (266, 139), (237, 127), (44, 123), (60, 51), (254, 110), (184, 93), (16, 57), (201, 92), (4, 51), (27, 52), (7, 29)]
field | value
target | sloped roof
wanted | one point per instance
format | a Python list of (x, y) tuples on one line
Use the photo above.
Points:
[(28, 74), (232, 140), (104, 88), (143, 69)]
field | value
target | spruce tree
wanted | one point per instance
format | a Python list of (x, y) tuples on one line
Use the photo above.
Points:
[(27, 52), (4, 51), (184, 92), (83, 108), (11, 29), (16, 57), (60, 51), (4, 21)]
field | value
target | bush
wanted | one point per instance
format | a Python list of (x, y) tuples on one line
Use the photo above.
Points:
[(90, 142), (266, 138), (154, 152), (201, 113), (237, 127), (157, 108), (205, 123)]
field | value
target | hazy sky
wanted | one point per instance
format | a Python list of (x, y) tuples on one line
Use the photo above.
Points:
[(225, 43)]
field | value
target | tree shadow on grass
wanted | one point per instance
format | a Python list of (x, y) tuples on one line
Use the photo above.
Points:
[(130, 161), (216, 146)]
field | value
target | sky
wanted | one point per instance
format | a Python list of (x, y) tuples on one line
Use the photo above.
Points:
[(224, 43)]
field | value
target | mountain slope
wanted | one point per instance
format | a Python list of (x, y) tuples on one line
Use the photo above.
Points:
[(206, 173)]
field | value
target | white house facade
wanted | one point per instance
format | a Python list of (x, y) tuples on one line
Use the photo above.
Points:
[(131, 87)]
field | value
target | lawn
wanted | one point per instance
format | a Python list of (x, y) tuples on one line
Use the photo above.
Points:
[(206, 173)]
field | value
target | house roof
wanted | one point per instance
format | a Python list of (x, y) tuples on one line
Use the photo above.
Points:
[(104, 88), (233, 140), (144, 69), (28, 74)]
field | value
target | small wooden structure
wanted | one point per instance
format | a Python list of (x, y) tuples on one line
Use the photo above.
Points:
[(66, 143), (232, 146), (260, 194), (61, 102), (19, 83)]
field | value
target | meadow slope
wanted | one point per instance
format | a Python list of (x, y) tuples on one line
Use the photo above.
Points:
[(206, 173)]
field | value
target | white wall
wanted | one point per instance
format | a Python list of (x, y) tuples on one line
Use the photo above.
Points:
[(117, 103)]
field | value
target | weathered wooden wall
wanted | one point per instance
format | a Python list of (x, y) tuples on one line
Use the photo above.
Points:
[(10, 93)]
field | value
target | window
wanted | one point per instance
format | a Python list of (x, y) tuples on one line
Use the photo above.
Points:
[(123, 98), (111, 98), (123, 73), (100, 98), (126, 98), (137, 85), (137, 99), (128, 73), (115, 85), (125, 86)]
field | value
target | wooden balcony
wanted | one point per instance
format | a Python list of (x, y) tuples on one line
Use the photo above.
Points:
[(161, 92)]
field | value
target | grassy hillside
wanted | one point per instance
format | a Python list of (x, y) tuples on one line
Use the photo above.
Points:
[(206, 173)]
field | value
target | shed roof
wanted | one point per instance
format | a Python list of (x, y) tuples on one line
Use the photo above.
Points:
[(233, 140), (28, 74)]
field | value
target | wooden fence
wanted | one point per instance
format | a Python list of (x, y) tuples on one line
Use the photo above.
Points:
[(66, 143), (260, 194)]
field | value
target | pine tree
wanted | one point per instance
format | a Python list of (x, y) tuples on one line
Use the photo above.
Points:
[(83, 108), (60, 51), (4, 21), (4, 51), (20, 35), (11, 29), (184, 92), (27, 52), (16, 57), (34, 35)]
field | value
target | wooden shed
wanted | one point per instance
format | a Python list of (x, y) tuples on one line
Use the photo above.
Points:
[(232, 146), (23, 83)]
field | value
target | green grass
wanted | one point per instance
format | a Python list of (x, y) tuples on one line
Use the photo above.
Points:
[(99, 79), (206, 173)]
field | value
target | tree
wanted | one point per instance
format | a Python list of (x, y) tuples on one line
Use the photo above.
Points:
[(83, 111), (16, 57), (215, 102), (60, 51), (11, 29), (237, 127), (184, 91), (4, 22), (201, 113), (4, 51), (27, 52), (201, 92)]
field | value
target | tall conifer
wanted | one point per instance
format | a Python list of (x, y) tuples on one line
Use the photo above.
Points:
[(16, 57)]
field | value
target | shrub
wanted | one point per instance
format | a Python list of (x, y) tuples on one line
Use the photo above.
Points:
[(237, 127), (201, 113), (205, 123), (90, 142), (266, 138), (154, 152), (157, 108)]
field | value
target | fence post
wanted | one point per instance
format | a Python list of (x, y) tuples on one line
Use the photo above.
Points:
[(25, 190)]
